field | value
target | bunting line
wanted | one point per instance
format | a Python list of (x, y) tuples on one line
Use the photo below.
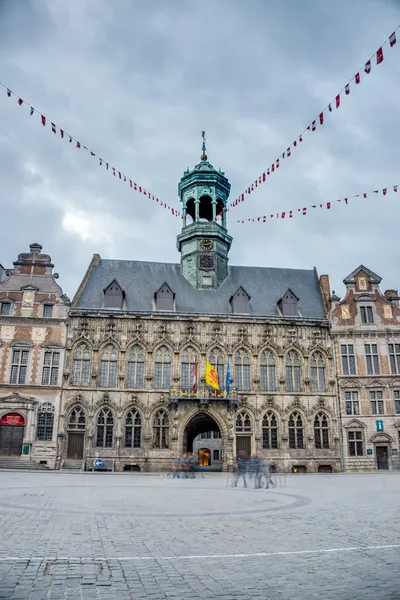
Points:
[(303, 211), (45, 121), (319, 120)]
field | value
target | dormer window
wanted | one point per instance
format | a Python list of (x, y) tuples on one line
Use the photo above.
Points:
[(288, 304), (367, 315), (240, 302), (47, 311), (164, 298), (114, 295), (5, 308)]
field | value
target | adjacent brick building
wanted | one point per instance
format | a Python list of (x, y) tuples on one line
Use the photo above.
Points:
[(33, 315), (365, 327)]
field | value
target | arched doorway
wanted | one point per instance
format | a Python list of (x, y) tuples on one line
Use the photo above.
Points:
[(202, 437), (12, 426)]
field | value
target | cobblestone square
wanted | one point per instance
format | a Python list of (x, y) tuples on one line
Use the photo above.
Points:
[(130, 536)]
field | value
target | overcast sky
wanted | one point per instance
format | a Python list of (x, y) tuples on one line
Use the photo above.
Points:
[(136, 81)]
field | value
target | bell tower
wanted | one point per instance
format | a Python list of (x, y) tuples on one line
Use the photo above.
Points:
[(203, 243)]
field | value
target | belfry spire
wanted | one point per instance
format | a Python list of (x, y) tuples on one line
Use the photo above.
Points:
[(204, 155)]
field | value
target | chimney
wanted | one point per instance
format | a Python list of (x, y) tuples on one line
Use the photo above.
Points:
[(325, 290), (391, 294)]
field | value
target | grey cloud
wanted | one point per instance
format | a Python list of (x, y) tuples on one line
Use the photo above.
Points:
[(138, 84)]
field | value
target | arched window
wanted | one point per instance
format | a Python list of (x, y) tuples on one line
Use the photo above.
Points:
[(133, 429), (77, 418), (317, 373), (243, 422), (161, 430), (188, 369), (105, 425), (45, 422), (217, 361), (296, 431), (242, 371), (268, 371), (292, 372), (270, 431), (136, 367), (321, 431), (108, 372), (81, 366), (162, 374)]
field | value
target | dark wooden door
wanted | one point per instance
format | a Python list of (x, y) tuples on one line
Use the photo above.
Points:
[(11, 438), (382, 457), (243, 445), (75, 445)]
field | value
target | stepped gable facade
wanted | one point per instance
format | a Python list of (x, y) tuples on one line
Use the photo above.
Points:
[(33, 315), (140, 334), (366, 335)]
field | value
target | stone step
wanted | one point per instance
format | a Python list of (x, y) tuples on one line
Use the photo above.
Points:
[(72, 465), (21, 463)]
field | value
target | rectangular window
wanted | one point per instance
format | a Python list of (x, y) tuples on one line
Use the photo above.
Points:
[(5, 308), (216, 435), (394, 356), (352, 403), (372, 359), (367, 316), (216, 455), (162, 376), (377, 403), (355, 443), (51, 364), (397, 402), (19, 366), (47, 311), (348, 359)]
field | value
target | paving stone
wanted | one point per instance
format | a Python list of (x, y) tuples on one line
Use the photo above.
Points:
[(120, 536)]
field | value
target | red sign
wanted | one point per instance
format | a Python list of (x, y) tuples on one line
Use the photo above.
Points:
[(12, 419)]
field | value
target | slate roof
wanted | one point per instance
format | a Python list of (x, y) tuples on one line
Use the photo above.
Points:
[(140, 280)]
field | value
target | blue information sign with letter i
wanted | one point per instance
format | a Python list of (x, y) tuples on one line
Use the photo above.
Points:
[(379, 425)]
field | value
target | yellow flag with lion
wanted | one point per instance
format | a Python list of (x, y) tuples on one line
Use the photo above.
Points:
[(211, 376)]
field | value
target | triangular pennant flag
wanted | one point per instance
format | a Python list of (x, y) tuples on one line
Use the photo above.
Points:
[(20, 101), (295, 143), (321, 118), (384, 191), (330, 107), (328, 205), (346, 200), (365, 195), (338, 101), (379, 56), (78, 144), (43, 120), (300, 138), (9, 93), (92, 153), (347, 89), (392, 39), (283, 215), (53, 128), (367, 67), (357, 77)]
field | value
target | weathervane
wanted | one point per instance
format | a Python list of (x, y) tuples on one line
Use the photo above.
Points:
[(204, 155)]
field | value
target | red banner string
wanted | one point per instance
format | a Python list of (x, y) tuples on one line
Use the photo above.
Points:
[(336, 101), (55, 128), (303, 211)]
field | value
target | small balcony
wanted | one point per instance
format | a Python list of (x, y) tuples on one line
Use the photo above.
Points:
[(204, 396)]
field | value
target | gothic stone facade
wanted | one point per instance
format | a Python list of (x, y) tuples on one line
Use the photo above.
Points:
[(128, 376), (366, 335), (33, 314)]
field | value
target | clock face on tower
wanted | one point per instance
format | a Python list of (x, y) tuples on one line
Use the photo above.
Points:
[(206, 245)]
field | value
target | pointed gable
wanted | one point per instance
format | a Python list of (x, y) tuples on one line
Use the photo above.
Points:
[(240, 301), (164, 298), (373, 277), (113, 295), (288, 304)]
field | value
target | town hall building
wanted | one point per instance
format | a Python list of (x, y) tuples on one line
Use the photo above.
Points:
[(140, 333)]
